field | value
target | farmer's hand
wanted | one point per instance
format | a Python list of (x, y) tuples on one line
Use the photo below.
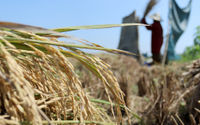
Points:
[(143, 20)]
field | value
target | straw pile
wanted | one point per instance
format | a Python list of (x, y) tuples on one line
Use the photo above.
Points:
[(171, 96), (156, 94), (39, 84)]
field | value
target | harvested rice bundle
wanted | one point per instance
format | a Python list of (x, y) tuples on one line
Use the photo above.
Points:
[(39, 83), (149, 7)]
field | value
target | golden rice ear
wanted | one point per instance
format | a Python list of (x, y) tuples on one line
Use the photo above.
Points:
[(39, 83)]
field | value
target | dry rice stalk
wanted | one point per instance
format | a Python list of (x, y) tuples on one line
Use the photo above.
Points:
[(179, 119), (174, 120), (4, 121)]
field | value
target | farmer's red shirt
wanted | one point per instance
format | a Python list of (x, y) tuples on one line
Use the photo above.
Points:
[(157, 36)]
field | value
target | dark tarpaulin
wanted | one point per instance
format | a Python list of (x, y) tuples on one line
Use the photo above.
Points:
[(129, 35), (178, 19)]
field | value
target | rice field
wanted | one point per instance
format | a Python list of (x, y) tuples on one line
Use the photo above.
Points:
[(47, 81)]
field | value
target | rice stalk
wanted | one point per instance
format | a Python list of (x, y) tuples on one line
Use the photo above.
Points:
[(72, 28)]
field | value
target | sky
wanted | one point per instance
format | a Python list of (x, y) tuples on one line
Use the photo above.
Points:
[(63, 13)]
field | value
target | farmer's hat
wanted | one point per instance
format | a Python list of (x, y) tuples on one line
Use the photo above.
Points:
[(156, 16)]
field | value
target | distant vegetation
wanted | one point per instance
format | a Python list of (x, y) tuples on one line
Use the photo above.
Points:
[(192, 52)]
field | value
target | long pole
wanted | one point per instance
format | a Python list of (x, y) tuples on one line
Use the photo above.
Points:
[(166, 45)]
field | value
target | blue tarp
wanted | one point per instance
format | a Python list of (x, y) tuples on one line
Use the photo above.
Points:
[(178, 19)]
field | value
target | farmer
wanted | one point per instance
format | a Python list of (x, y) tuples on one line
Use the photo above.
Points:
[(156, 38)]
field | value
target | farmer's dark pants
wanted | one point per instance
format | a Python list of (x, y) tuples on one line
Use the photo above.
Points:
[(156, 57)]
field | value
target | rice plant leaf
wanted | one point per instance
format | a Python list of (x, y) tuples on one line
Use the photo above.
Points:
[(9, 26), (69, 122), (72, 28), (108, 103), (22, 40)]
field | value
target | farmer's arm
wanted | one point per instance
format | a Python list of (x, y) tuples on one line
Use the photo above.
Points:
[(148, 27)]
